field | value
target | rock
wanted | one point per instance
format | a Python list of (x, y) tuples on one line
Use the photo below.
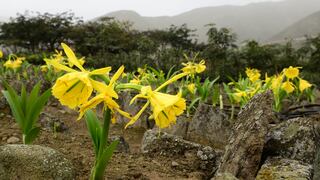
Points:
[(293, 139), (316, 163), (157, 143), (209, 126), (278, 168), (244, 151), (124, 99), (13, 140), (33, 162), (52, 123), (3, 102), (180, 128), (123, 145), (224, 176), (174, 164)]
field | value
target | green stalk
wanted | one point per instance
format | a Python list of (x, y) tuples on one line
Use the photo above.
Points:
[(98, 173), (128, 86)]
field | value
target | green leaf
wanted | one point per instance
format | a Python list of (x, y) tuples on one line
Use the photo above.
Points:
[(94, 128), (192, 104), (36, 107), (104, 160), (15, 107), (31, 135)]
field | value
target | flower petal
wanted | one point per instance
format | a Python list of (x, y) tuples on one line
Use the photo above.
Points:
[(71, 56)]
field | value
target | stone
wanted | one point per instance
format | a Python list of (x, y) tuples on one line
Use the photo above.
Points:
[(3, 102), (244, 152), (13, 140), (52, 123), (174, 164), (124, 99), (279, 168), (316, 163), (123, 145), (293, 139), (224, 176), (209, 126), (157, 143), (180, 128), (33, 162)]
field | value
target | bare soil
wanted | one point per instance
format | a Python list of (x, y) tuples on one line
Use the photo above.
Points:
[(76, 145)]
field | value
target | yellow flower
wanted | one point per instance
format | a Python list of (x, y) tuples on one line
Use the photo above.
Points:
[(303, 84), (191, 87), (135, 81), (276, 82), (105, 96), (288, 87), (192, 68), (165, 107), (13, 64), (267, 79), (74, 88), (291, 72), (1, 54), (82, 61), (58, 58), (238, 95), (44, 68), (253, 74)]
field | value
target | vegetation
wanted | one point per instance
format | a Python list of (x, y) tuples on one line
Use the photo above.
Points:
[(109, 42), (26, 109)]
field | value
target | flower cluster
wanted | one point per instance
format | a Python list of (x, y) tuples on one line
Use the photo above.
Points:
[(75, 88)]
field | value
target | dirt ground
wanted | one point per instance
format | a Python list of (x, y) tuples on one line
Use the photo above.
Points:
[(76, 145)]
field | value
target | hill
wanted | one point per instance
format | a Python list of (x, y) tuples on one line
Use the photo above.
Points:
[(307, 26), (259, 21)]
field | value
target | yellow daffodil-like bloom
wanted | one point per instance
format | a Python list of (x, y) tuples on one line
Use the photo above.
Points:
[(135, 81), (288, 87), (192, 68), (13, 64), (82, 61), (238, 95), (1, 54), (276, 82), (165, 107), (106, 96), (74, 88), (253, 74), (191, 87), (303, 84), (291, 72), (267, 79), (58, 58), (44, 68)]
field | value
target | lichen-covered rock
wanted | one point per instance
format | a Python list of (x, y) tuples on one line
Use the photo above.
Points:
[(244, 151), (122, 146), (180, 128), (316, 163), (224, 176), (209, 126), (33, 162), (278, 168), (293, 139), (160, 143)]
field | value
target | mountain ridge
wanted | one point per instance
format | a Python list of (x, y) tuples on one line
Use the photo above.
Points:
[(252, 21)]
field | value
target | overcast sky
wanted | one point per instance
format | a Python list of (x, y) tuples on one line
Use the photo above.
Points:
[(89, 9)]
